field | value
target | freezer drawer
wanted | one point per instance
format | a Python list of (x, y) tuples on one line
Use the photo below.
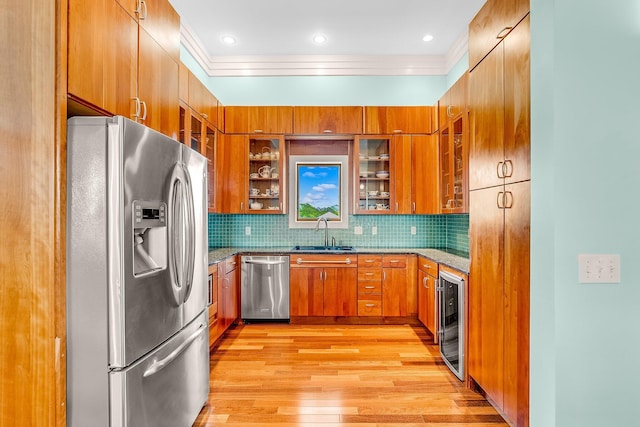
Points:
[(265, 288), (167, 388)]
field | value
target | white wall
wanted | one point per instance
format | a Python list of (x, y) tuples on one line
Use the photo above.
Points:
[(327, 90), (585, 338)]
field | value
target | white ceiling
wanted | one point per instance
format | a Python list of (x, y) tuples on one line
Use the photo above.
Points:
[(365, 37)]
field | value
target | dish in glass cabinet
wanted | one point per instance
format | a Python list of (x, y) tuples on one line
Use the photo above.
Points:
[(366, 174), (382, 174)]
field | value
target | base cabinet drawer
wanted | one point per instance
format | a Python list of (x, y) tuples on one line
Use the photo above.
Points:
[(369, 307)]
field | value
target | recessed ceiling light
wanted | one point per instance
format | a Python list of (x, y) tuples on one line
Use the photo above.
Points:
[(228, 39), (319, 39), (427, 38)]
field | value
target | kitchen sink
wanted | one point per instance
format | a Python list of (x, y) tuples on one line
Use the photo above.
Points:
[(323, 249)]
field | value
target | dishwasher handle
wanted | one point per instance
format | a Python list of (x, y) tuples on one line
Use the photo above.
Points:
[(263, 262)]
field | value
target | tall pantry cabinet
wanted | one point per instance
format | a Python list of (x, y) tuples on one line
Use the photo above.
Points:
[(499, 218)]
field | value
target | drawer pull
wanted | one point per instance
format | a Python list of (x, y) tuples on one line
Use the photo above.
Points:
[(368, 274), (427, 266), (369, 287), (369, 305)]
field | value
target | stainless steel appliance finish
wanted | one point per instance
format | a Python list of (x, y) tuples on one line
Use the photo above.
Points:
[(137, 345), (265, 288), (451, 319)]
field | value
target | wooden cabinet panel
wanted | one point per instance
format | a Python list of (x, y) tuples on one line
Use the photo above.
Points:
[(183, 83), (340, 291), (162, 23), (492, 24), (231, 160), (227, 293), (394, 261), (130, 6), (517, 146), (202, 100), (398, 119), (394, 292), (259, 119), (486, 295), (516, 291), (369, 260), (306, 291), (103, 55), (401, 156), (158, 86), (424, 174), (370, 307), (486, 101), (427, 310), (327, 120), (87, 37), (213, 306)]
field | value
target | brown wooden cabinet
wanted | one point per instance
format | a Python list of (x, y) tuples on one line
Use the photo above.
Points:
[(228, 293), (395, 295), (266, 171), (398, 119), (427, 306), (210, 141), (231, 178), (118, 64), (102, 56), (213, 305), (370, 285), (492, 24), (499, 225), (323, 285), (202, 100), (327, 120), (375, 167), (424, 174), (453, 140), (259, 119)]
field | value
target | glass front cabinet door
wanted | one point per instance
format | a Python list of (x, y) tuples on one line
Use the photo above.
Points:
[(374, 189), (266, 170)]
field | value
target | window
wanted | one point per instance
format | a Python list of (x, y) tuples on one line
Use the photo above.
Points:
[(318, 187)]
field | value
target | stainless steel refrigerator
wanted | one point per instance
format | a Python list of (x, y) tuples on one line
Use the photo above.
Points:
[(137, 338)]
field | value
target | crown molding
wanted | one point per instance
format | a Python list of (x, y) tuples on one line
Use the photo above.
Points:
[(322, 65)]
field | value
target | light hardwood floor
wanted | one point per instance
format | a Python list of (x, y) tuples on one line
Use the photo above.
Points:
[(359, 376)]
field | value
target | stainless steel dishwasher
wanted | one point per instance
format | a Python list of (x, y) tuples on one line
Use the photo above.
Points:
[(265, 288)]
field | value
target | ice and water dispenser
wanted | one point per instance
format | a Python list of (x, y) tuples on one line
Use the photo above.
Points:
[(149, 236)]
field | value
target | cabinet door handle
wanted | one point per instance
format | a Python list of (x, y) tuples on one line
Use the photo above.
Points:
[(384, 276), (503, 33), (396, 206), (138, 110), (500, 200), (144, 109), (413, 207), (205, 116), (507, 168), (141, 10), (449, 111), (508, 200), (424, 282), (499, 170)]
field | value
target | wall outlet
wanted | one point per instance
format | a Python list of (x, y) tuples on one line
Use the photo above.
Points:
[(357, 229), (413, 230), (247, 231), (374, 230), (598, 268)]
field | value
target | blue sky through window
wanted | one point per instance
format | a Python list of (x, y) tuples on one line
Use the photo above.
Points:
[(318, 191)]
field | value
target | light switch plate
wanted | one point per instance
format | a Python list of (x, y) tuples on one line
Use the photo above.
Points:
[(357, 229), (413, 230), (599, 268), (374, 230), (247, 231)]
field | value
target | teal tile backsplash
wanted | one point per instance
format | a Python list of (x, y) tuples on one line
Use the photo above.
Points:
[(394, 231)]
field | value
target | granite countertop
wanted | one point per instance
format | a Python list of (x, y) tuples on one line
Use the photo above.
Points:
[(441, 256)]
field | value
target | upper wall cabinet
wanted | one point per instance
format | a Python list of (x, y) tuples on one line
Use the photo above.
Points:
[(492, 23), (202, 100), (259, 119), (393, 120), (103, 55), (123, 63), (327, 120)]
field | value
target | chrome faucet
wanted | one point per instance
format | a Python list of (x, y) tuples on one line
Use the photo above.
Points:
[(326, 229)]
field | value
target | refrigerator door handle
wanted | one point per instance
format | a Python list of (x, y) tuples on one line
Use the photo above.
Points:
[(160, 364), (174, 232), (190, 237)]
